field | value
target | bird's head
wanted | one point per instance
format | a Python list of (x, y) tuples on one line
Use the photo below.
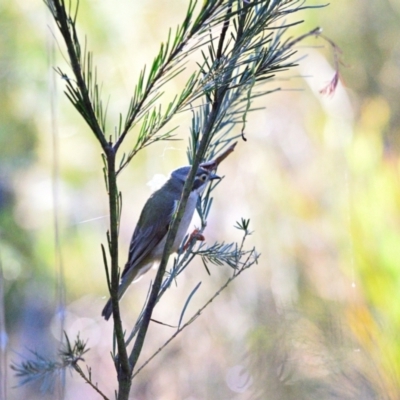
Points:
[(203, 176)]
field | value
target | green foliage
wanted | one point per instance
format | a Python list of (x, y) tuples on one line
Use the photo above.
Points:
[(241, 46), (45, 370), (325, 215)]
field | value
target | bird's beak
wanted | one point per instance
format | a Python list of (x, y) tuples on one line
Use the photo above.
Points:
[(214, 176)]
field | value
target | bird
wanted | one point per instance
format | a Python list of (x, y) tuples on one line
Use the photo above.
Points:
[(149, 237)]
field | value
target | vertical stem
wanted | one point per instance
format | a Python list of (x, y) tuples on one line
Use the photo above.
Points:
[(66, 25), (122, 364), (60, 287), (204, 142), (3, 340), (137, 347)]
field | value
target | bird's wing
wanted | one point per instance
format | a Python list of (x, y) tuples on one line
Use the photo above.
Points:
[(144, 240)]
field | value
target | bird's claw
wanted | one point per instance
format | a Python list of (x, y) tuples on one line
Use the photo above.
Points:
[(195, 235)]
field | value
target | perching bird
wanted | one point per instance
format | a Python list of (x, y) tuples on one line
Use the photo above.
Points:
[(148, 240)]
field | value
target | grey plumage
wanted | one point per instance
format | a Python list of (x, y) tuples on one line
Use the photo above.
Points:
[(148, 239)]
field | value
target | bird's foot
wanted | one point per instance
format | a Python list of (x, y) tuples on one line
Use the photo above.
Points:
[(195, 235)]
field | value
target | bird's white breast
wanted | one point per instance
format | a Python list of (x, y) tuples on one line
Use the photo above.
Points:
[(186, 219), (183, 226)]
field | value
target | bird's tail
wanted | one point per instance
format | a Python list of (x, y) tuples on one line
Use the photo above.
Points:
[(107, 310), (132, 276)]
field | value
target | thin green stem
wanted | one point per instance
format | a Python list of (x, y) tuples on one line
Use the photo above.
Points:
[(201, 151), (197, 26), (191, 320), (124, 370), (64, 21), (88, 380)]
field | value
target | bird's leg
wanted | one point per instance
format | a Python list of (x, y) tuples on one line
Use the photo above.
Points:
[(195, 235)]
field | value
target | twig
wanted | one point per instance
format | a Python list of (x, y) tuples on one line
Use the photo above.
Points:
[(3, 340), (191, 320), (213, 164), (78, 369), (65, 24)]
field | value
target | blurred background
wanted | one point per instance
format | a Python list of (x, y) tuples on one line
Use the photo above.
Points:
[(317, 318)]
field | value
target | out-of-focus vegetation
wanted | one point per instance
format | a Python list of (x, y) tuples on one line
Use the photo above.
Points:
[(318, 318)]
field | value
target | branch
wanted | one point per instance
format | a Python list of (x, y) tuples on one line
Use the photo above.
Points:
[(166, 58), (88, 380), (247, 264), (207, 135), (42, 369), (66, 25), (123, 367)]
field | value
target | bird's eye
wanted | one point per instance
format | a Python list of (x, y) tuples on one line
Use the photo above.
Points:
[(203, 177)]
